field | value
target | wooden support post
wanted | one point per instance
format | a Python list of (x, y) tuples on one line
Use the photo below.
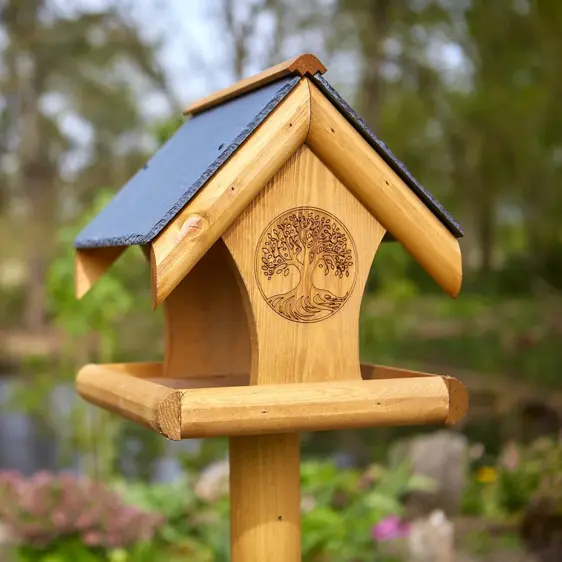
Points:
[(265, 498)]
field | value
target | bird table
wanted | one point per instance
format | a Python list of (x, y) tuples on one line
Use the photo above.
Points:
[(260, 218)]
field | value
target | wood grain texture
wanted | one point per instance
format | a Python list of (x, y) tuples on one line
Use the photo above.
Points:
[(186, 383), (458, 400), (388, 156), (269, 409), (369, 372), (229, 192), (141, 370), (91, 264), (206, 330), (144, 402), (265, 498), (155, 371), (334, 140), (301, 65), (184, 408), (290, 351)]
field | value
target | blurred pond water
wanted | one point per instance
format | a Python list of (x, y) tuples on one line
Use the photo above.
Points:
[(28, 445)]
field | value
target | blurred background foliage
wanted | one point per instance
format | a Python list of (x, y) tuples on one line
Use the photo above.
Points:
[(465, 92)]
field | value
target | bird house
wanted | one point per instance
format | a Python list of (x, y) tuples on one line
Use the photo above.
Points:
[(261, 217)]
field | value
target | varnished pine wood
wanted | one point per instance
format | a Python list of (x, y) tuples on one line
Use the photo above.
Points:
[(90, 264), (334, 140), (298, 407), (141, 370), (182, 409), (185, 383), (301, 65), (369, 372), (155, 371), (229, 192), (265, 498), (288, 351), (142, 401), (458, 401), (206, 331)]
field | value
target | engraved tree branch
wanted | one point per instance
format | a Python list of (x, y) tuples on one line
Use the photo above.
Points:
[(306, 241)]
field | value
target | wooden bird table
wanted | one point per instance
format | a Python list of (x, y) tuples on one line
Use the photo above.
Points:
[(261, 218)]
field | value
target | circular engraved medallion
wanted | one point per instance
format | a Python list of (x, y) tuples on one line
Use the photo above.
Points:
[(305, 264)]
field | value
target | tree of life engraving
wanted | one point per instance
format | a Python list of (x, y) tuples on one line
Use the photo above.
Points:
[(305, 264)]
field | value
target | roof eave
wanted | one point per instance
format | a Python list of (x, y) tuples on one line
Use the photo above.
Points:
[(179, 247), (384, 193)]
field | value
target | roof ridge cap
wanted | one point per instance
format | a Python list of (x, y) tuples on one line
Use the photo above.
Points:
[(302, 65)]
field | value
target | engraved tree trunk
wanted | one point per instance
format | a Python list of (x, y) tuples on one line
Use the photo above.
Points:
[(307, 243)]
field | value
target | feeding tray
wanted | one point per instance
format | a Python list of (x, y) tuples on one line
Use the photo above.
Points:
[(227, 405), (260, 218)]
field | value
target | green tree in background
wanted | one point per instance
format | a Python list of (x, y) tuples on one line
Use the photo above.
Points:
[(56, 64)]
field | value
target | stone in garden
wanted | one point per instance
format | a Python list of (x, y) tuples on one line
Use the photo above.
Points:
[(432, 539), (7, 541), (213, 481), (441, 456)]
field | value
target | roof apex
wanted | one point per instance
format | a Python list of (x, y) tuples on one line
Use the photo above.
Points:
[(218, 150), (302, 65)]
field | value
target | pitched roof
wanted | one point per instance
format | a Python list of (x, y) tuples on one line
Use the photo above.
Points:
[(153, 196)]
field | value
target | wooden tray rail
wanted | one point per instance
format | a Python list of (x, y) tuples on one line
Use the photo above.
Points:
[(228, 406)]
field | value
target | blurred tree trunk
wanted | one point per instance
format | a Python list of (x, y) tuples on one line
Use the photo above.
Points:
[(36, 176), (50, 53), (377, 20)]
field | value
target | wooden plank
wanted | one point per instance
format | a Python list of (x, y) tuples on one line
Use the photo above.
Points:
[(206, 330), (458, 401), (91, 264), (335, 141), (155, 372), (229, 192), (265, 498), (141, 370), (301, 65), (219, 381), (388, 156), (269, 409), (305, 321), (274, 408), (370, 372), (149, 404)]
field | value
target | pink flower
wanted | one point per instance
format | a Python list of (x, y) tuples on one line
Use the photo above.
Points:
[(58, 518), (390, 528), (44, 508), (84, 522), (92, 538)]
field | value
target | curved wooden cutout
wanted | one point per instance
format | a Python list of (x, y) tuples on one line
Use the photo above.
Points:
[(290, 350), (206, 331)]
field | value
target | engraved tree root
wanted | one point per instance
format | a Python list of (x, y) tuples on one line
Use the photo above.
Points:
[(300, 306), (307, 241)]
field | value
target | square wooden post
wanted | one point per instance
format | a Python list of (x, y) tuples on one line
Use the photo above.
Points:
[(265, 519)]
